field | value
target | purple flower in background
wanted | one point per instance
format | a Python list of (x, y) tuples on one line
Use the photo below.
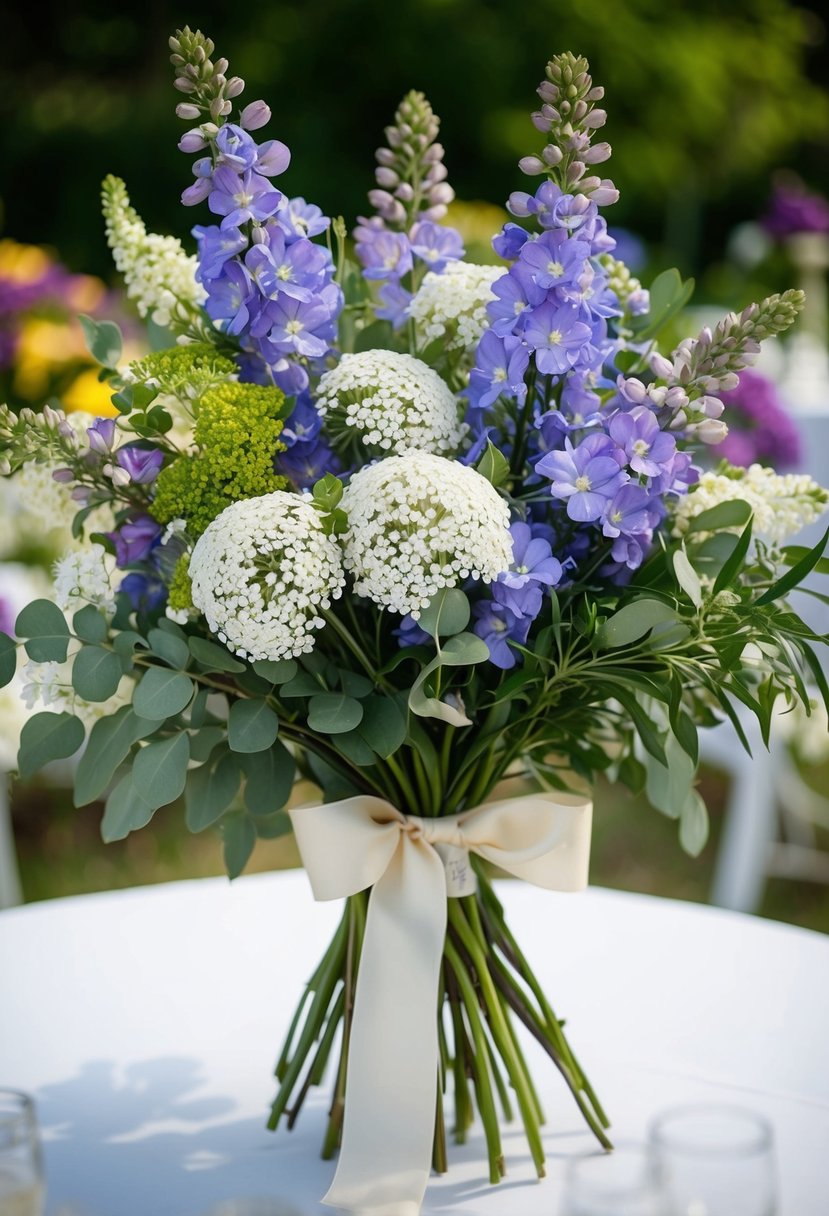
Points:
[(435, 245), (142, 464), (146, 592), (586, 476), (236, 147), (242, 198), (523, 601), (385, 255), (409, 633), (305, 463), (394, 303), (630, 551), (498, 625), (628, 512), (557, 336), (794, 209), (7, 616), (499, 368), (135, 539), (760, 428), (649, 450)]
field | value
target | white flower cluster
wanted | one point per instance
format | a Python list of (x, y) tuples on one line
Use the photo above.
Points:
[(452, 305), (159, 276), (393, 401), (782, 503), (417, 523), (262, 572), (84, 576)]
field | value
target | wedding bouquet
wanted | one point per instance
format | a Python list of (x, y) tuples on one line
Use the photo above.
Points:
[(430, 534)]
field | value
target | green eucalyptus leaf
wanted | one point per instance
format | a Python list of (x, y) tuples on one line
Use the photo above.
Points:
[(384, 726), (252, 726), (447, 613), (162, 694), (46, 737), (210, 790), (693, 824), (44, 627), (203, 742), (213, 656), (354, 747), (632, 622), (168, 647), (126, 811), (96, 673), (109, 744), (239, 838), (90, 625), (269, 779), (276, 671), (669, 784), (301, 685), (354, 684), (8, 659), (461, 650), (103, 340), (333, 713), (160, 769), (273, 826)]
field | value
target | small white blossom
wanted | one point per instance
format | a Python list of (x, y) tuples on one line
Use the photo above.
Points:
[(452, 305), (50, 685), (159, 276), (392, 401), (419, 522), (263, 572), (84, 576), (782, 503)]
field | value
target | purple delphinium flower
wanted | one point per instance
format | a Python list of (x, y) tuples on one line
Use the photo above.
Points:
[(385, 255), (557, 336), (229, 297), (498, 625), (435, 244), (394, 303), (509, 241), (522, 601), (236, 147), (135, 539), (760, 428), (649, 450), (514, 300), (216, 247), (142, 464), (101, 435), (241, 198), (586, 476), (305, 463), (409, 633), (499, 368), (532, 560), (628, 512), (554, 260), (146, 592), (298, 219), (303, 424), (290, 326)]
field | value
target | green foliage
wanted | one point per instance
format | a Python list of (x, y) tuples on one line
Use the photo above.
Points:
[(460, 651), (494, 465), (211, 789), (252, 726), (46, 737), (162, 694), (8, 659), (333, 713), (110, 742), (90, 624), (269, 778), (160, 770), (103, 338), (186, 372), (44, 627), (212, 656), (237, 436), (96, 673), (447, 613), (239, 837), (126, 810)]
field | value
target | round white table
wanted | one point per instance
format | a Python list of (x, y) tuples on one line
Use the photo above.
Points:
[(146, 1023)]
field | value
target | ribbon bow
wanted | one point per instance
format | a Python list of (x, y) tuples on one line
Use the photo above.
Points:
[(412, 864)]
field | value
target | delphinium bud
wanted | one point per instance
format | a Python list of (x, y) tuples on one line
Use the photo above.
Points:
[(410, 173), (569, 117), (203, 81)]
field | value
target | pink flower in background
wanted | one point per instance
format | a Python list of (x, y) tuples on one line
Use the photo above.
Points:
[(760, 428)]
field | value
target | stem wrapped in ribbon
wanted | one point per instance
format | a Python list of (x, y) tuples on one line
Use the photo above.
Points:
[(413, 864)]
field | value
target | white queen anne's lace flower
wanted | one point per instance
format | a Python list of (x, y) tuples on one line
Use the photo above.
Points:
[(393, 401), (452, 305), (262, 573), (417, 523), (782, 503)]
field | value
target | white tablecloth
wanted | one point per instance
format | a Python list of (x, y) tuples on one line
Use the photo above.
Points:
[(147, 1022)]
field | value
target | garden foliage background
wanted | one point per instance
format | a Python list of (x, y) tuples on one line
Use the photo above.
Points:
[(706, 103)]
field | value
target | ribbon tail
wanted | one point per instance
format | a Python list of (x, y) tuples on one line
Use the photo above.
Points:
[(391, 1083)]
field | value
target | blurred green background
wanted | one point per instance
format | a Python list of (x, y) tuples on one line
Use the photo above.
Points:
[(706, 103)]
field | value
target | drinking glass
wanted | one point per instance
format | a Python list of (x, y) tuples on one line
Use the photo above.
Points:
[(716, 1161), (22, 1190), (625, 1182)]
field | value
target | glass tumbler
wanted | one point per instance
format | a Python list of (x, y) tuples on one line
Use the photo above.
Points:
[(625, 1182), (22, 1190), (716, 1161)]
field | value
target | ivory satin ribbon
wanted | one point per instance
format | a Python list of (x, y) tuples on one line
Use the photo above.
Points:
[(412, 865)]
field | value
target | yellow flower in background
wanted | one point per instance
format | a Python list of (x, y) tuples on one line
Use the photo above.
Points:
[(88, 394), (23, 263), (43, 347), (478, 223)]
